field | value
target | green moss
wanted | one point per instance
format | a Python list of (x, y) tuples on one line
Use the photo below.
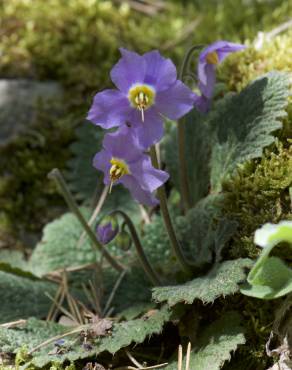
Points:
[(77, 41), (22, 356), (58, 366), (259, 193), (258, 321), (25, 191), (241, 68)]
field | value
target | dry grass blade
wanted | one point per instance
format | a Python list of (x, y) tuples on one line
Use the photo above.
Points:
[(135, 362), (180, 357), (71, 302), (146, 7), (93, 291), (179, 362), (160, 366), (56, 338), (53, 309), (188, 356), (113, 292), (144, 215), (61, 308), (12, 324)]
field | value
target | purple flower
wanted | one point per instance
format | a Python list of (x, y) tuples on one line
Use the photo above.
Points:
[(147, 90), (208, 59), (106, 232), (202, 103), (122, 161)]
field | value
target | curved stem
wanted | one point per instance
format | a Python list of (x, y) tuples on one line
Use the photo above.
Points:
[(176, 248), (153, 277), (187, 58), (183, 175), (57, 176), (190, 75)]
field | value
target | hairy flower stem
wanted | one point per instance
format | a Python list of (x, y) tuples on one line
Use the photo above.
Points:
[(183, 175), (176, 248), (149, 271), (57, 176)]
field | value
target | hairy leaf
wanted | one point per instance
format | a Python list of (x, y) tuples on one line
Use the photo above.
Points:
[(30, 334), (272, 280), (198, 231), (216, 343), (202, 232), (137, 310), (7, 267), (270, 277), (59, 246), (123, 334), (22, 297), (13, 262), (222, 280), (243, 124)]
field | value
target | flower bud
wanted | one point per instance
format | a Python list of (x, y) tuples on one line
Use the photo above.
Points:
[(107, 230), (124, 240)]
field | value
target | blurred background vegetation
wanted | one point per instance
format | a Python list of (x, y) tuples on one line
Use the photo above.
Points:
[(75, 42)]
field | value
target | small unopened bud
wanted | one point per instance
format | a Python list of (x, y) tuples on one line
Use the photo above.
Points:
[(107, 230), (124, 240)]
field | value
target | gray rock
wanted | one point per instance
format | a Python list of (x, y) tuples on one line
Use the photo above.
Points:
[(18, 104)]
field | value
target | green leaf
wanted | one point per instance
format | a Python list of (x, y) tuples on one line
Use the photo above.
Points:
[(272, 280), (270, 277), (155, 241), (197, 152), (22, 297), (136, 310), (224, 231), (222, 280), (7, 267), (135, 287), (123, 334), (59, 246), (30, 334), (13, 262), (198, 231), (202, 233), (243, 124), (216, 343), (135, 331)]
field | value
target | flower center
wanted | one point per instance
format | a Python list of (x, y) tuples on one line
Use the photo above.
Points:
[(118, 169), (141, 97), (212, 58)]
